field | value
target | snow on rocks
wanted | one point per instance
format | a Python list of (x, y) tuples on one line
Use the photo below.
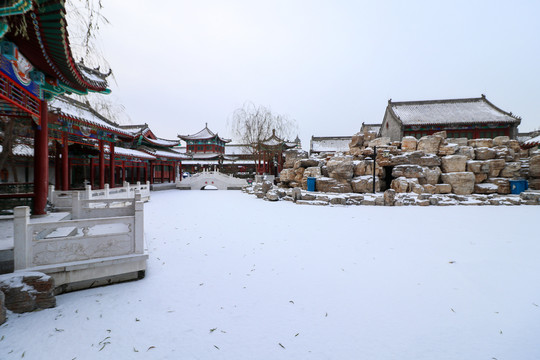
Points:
[(27, 291)]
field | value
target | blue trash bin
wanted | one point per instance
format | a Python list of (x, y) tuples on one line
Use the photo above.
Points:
[(518, 186), (311, 183)]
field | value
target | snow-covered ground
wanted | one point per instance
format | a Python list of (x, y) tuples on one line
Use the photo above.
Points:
[(234, 277)]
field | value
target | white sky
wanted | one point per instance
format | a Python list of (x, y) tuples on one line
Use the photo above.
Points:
[(330, 65)]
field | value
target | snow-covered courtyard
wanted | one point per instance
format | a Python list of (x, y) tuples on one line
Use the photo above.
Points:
[(234, 277)]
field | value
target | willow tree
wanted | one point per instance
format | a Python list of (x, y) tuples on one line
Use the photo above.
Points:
[(252, 124)]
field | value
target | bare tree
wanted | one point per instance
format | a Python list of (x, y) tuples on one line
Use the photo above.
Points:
[(253, 124)]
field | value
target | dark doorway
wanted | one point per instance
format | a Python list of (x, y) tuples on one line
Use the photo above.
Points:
[(385, 184)]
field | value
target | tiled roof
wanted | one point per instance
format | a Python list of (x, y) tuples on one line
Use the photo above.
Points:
[(474, 110), (535, 141), (205, 133), (83, 113)]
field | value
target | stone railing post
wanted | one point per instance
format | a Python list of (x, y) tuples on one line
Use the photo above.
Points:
[(88, 192), (51, 194), (138, 185), (106, 191), (76, 205), (139, 227), (22, 242)]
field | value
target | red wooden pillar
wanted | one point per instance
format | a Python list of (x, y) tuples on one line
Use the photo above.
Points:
[(123, 172), (65, 163), (111, 165), (151, 174), (101, 165), (162, 172), (41, 161)]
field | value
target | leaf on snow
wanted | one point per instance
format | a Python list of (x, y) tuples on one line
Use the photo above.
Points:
[(151, 347), (216, 347), (212, 330), (281, 345)]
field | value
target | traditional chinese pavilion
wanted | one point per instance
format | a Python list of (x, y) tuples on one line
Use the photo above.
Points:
[(269, 154), (204, 148), (36, 64)]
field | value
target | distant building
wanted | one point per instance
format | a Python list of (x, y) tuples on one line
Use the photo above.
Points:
[(329, 144), (470, 118)]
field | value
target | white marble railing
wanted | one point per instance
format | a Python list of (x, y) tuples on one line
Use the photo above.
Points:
[(63, 199), (41, 244), (102, 208)]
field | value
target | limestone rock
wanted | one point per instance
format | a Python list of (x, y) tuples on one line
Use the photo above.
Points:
[(485, 188), (28, 291), (477, 143), (292, 155), (382, 141), (501, 141), (286, 175), (403, 184), (430, 189), (417, 188), (502, 184), (534, 166), (326, 184), (409, 143), (514, 145), (480, 178), (534, 184), (462, 182), (389, 197), (443, 189), (429, 144), (305, 163), (433, 175), (419, 158), (356, 141), (467, 151), (495, 166), (266, 185), (448, 149), (477, 166), (272, 195), (364, 184), (484, 153), (442, 134), (338, 201), (340, 169), (454, 163), (408, 171), (359, 167), (458, 141)]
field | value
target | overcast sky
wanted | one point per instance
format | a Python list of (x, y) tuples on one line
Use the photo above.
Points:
[(330, 65)]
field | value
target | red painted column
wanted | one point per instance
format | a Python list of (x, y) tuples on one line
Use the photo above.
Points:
[(151, 175), (65, 163), (111, 165), (41, 161), (123, 172), (162, 172), (101, 165)]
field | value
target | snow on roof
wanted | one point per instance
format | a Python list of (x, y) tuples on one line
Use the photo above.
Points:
[(474, 110), (169, 154), (129, 152), (330, 144), (205, 133), (163, 142), (83, 113), (535, 141), (21, 150)]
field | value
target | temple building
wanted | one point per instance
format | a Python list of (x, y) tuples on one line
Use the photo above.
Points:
[(469, 118), (36, 64)]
